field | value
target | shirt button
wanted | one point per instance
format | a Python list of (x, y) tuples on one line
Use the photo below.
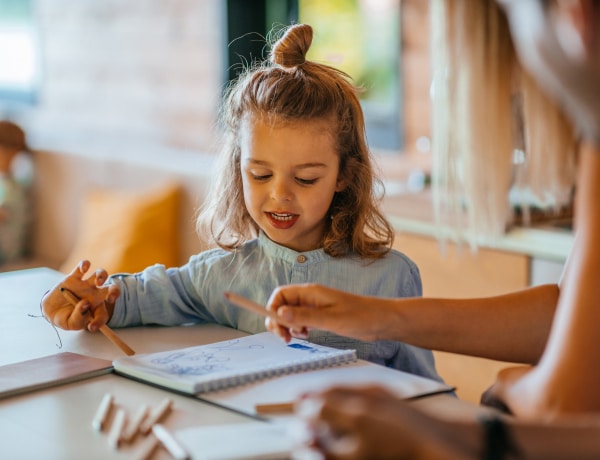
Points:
[(301, 258)]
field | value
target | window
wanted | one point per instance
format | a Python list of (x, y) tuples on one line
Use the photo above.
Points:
[(360, 37), (19, 60), (248, 22)]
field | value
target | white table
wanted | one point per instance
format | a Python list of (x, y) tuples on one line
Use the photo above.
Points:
[(56, 423)]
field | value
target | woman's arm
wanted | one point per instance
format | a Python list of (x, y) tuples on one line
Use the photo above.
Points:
[(512, 327), (568, 375), (509, 327)]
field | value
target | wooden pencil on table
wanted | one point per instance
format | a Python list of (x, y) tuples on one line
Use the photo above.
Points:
[(275, 408), (136, 422), (156, 415), (107, 331)]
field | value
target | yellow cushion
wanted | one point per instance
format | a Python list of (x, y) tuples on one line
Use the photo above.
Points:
[(127, 231)]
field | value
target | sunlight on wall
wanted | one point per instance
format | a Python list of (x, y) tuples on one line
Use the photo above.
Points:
[(18, 57)]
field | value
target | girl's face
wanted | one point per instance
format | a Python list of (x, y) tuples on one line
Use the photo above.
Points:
[(289, 175)]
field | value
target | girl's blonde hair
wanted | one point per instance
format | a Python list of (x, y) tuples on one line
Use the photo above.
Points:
[(493, 129), (288, 88)]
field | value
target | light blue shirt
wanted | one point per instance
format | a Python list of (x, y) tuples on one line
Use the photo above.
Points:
[(193, 293)]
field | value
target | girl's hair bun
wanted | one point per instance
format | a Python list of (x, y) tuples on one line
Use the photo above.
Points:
[(290, 50)]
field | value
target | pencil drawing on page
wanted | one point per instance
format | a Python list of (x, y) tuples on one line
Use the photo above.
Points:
[(213, 358), (201, 361), (210, 367)]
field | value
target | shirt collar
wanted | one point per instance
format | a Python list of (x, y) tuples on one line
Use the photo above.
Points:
[(290, 255)]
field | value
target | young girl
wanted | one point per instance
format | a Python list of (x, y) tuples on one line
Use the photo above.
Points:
[(293, 203)]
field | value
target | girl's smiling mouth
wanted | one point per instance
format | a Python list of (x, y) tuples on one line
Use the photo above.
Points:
[(282, 220)]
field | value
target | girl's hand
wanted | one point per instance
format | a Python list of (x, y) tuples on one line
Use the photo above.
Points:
[(312, 306), (93, 309)]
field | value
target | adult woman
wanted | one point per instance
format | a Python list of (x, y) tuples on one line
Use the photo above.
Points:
[(551, 327)]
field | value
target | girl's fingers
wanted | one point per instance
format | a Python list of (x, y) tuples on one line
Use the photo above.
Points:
[(113, 293), (100, 277), (92, 280), (81, 269), (82, 308), (93, 287), (99, 317), (72, 318)]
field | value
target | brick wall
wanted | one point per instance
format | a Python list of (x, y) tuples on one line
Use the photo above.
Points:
[(128, 69)]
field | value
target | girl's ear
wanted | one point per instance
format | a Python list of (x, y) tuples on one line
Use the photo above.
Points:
[(340, 184)]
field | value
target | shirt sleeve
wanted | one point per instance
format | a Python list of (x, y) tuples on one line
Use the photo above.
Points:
[(159, 296)]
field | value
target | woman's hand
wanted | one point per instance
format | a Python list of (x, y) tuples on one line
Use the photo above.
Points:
[(350, 423), (94, 307), (518, 391), (312, 306)]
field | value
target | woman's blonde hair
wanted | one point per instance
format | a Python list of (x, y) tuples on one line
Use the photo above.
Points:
[(493, 129), (288, 88)]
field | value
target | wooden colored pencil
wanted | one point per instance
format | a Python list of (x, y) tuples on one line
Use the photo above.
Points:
[(107, 331)]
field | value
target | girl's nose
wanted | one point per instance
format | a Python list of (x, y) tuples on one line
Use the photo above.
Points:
[(280, 191)]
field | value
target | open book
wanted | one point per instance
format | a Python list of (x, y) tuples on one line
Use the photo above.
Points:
[(221, 365)]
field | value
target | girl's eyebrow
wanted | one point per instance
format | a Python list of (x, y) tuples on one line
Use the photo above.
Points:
[(311, 165), (300, 166), (256, 162)]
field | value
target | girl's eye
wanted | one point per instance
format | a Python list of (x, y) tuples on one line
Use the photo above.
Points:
[(306, 181), (260, 177)]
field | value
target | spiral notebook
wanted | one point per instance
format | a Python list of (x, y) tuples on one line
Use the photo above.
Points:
[(230, 363)]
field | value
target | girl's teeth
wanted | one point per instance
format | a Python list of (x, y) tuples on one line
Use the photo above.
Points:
[(281, 216)]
